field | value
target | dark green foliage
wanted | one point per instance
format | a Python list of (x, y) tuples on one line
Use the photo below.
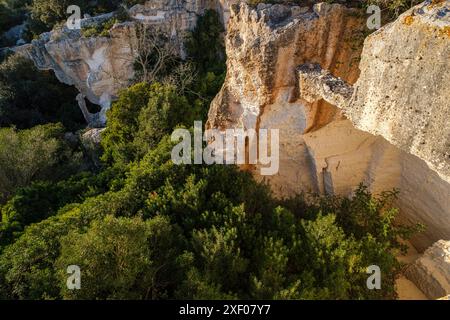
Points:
[(26, 267), (144, 113), (205, 44), (43, 199), (40, 153), (30, 97), (226, 245), (391, 9), (205, 48), (99, 30), (141, 117), (143, 267), (45, 14)]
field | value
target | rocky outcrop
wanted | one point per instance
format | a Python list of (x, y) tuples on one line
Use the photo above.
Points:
[(99, 66), (91, 142), (431, 272), (316, 84), (264, 46), (402, 93), (323, 149)]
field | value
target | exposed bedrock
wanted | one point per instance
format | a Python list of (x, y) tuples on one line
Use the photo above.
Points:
[(323, 149), (403, 92), (99, 66)]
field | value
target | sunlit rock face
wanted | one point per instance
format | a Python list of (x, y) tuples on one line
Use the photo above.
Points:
[(100, 66), (321, 150), (264, 46)]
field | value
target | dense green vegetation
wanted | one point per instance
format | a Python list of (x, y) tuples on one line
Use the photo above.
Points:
[(142, 227), (43, 15), (29, 97)]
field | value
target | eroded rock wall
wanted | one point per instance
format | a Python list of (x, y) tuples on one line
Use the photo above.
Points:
[(99, 66), (320, 149)]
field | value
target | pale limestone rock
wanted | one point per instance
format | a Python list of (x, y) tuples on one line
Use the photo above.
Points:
[(265, 45), (92, 137), (316, 84), (431, 272), (405, 288), (100, 66), (320, 151), (403, 92)]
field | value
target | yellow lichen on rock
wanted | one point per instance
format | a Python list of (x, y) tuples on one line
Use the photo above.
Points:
[(445, 31), (408, 20)]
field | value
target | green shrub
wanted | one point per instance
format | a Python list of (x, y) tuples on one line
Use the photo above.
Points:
[(8, 18), (234, 242), (43, 199), (30, 97), (142, 268), (101, 29), (40, 153), (143, 114)]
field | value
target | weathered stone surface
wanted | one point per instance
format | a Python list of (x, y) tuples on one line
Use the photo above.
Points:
[(266, 44), (92, 137), (100, 66), (320, 150), (316, 84), (431, 272), (91, 140), (387, 100)]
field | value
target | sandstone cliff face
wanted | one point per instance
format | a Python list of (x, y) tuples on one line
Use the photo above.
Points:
[(320, 149), (403, 93), (100, 66), (264, 46)]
